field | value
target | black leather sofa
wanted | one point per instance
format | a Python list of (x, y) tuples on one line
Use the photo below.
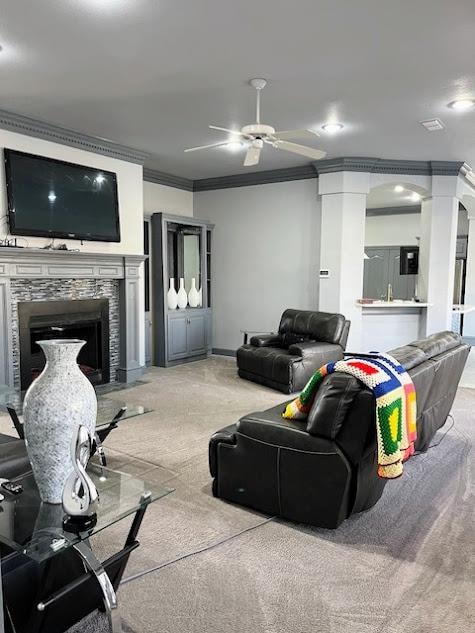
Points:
[(322, 470), (305, 341)]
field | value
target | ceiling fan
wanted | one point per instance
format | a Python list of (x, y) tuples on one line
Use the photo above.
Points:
[(256, 135)]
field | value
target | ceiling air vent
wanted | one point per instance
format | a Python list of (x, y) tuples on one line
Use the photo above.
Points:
[(433, 125)]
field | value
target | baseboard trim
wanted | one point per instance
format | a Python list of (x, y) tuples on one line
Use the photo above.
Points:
[(219, 351), (129, 375)]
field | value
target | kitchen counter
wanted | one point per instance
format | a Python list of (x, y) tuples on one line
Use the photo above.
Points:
[(393, 304)]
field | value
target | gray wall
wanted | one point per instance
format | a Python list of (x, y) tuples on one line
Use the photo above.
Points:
[(266, 253)]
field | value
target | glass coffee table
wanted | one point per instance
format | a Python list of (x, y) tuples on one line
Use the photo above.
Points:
[(110, 412), (32, 533)]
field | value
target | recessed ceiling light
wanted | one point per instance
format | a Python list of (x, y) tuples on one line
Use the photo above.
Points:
[(398, 188), (332, 128), (415, 197), (51, 196), (461, 104)]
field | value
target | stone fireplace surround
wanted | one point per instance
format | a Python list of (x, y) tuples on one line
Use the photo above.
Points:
[(29, 274)]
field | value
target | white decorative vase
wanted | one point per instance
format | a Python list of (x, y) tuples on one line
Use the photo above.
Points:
[(172, 297), (182, 296), (200, 297), (193, 296), (57, 402)]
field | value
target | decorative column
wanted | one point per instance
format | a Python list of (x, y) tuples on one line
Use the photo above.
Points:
[(132, 325), (469, 318), (439, 216), (343, 198)]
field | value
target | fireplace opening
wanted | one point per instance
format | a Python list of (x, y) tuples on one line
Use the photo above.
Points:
[(87, 320)]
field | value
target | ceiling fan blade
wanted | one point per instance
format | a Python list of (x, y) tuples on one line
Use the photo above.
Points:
[(210, 146), (225, 129), (309, 134), (253, 154), (303, 150)]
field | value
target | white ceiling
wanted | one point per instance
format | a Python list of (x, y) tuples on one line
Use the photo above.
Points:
[(152, 74)]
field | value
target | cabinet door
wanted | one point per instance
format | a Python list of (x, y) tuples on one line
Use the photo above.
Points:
[(196, 335), (177, 337), (376, 273)]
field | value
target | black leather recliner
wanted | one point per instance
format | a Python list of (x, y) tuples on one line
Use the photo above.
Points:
[(305, 341), (322, 470)]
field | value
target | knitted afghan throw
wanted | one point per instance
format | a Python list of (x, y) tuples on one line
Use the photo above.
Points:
[(396, 410)]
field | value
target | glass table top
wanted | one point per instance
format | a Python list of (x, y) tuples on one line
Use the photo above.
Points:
[(36, 529), (108, 409)]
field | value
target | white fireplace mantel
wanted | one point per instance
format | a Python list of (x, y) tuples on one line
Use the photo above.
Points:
[(35, 263)]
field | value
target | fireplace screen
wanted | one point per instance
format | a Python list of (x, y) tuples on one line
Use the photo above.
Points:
[(87, 320)]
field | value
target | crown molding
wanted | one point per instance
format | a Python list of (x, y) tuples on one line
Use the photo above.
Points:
[(331, 165), (303, 172), (371, 213), (389, 166), (161, 178), (49, 132)]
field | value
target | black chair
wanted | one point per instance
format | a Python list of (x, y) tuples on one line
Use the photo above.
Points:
[(285, 361)]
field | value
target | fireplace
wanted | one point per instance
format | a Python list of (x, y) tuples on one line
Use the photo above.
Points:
[(85, 319)]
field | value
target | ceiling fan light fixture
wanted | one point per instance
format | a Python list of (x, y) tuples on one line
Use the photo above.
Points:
[(234, 146), (332, 128)]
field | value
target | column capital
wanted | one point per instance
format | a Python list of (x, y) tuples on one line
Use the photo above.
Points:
[(344, 182), (446, 186)]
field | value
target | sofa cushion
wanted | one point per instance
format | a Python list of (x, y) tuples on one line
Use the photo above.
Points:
[(438, 343), (319, 326)]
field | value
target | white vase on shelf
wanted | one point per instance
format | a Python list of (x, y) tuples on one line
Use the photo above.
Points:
[(182, 296), (172, 296), (193, 297), (200, 297)]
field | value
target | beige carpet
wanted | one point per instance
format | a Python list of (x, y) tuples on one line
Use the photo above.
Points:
[(407, 565)]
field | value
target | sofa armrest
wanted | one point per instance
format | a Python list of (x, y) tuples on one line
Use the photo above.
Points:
[(266, 340), (224, 436), (270, 427), (309, 348)]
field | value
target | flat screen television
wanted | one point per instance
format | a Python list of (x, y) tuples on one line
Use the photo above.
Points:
[(52, 198)]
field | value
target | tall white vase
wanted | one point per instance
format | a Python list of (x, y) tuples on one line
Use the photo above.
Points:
[(57, 402), (182, 296), (172, 297), (193, 296), (200, 297)]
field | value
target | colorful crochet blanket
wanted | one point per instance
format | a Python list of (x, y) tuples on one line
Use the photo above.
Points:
[(396, 410)]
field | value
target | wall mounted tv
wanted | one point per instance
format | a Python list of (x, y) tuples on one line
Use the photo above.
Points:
[(52, 198)]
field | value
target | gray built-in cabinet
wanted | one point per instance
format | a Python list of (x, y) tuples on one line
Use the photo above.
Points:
[(382, 268), (181, 247)]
